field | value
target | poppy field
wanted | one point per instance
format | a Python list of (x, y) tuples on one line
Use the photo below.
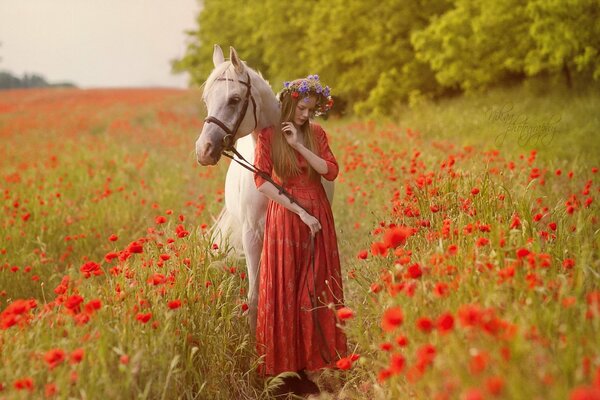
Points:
[(470, 271)]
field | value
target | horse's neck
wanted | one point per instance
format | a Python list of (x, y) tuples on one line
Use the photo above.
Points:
[(269, 110)]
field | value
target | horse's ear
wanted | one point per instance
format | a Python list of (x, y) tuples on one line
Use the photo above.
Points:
[(235, 60), (218, 55)]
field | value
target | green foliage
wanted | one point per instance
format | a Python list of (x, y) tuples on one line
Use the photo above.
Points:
[(476, 43), (377, 55), (227, 23), (567, 35)]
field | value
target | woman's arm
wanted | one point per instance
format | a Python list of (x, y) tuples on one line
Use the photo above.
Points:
[(272, 193), (325, 165), (314, 160)]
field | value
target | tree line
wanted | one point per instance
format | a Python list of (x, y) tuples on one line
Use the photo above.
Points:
[(377, 54), (9, 81)]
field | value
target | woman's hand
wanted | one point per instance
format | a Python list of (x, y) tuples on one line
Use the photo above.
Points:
[(311, 221), (290, 133)]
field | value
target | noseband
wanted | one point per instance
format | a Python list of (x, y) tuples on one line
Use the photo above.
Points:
[(229, 138)]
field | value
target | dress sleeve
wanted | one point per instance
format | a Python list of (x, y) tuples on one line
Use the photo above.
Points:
[(327, 155), (262, 156)]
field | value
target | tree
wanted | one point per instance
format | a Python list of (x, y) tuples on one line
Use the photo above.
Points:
[(377, 54), (476, 43), (364, 50), (227, 23), (566, 36)]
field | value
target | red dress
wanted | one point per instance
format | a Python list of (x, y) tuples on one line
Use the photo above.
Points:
[(291, 332)]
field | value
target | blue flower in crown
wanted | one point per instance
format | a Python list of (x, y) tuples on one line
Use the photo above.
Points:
[(303, 87)]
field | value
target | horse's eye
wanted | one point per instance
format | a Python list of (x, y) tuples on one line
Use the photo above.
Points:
[(234, 100)]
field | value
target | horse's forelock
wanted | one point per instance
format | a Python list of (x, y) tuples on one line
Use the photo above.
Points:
[(224, 70)]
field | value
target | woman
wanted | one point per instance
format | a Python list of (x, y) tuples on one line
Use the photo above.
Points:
[(296, 326)]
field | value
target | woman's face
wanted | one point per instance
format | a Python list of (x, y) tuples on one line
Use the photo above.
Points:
[(304, 109)]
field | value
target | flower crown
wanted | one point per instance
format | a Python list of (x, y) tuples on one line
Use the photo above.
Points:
[(306, 87)]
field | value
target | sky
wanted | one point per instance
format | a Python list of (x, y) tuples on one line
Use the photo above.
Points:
[(96, 43)]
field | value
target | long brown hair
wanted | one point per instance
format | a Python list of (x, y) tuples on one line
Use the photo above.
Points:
[(285, 163)]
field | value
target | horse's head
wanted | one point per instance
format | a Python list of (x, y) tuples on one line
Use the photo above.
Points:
[(231, 107)]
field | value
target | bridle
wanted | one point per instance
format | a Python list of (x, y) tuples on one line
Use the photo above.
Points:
[(229, 138)]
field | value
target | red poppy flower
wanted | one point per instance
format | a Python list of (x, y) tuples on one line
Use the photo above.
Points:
[(92, 306), (396, 236), (135, 248), (73, 302), (157, 279), (392, 318), (54, 357), (516, 222), (401, 341), (108, 257), (415, 271), (445, 323), (424, 324), (174, 304), (180, 231), (478, 363), (77, 356), (345, 313), (344, 363), (441, 289), (385, 346), (494, 385), (482, 242), (469, 314), (473, 394), (24, 384), (91, 268), (521, 253), (383, 375), (425, 355), (568, 263), (397, 363), (452, 249), (375, 287), (50, 390), (379, 248), (143, 318)]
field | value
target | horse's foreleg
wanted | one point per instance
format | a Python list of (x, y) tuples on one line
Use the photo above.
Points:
[(252, 240)]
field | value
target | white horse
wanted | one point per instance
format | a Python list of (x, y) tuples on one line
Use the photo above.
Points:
[(240, 103)]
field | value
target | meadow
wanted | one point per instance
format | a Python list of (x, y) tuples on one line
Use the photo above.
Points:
[(468, 230)]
